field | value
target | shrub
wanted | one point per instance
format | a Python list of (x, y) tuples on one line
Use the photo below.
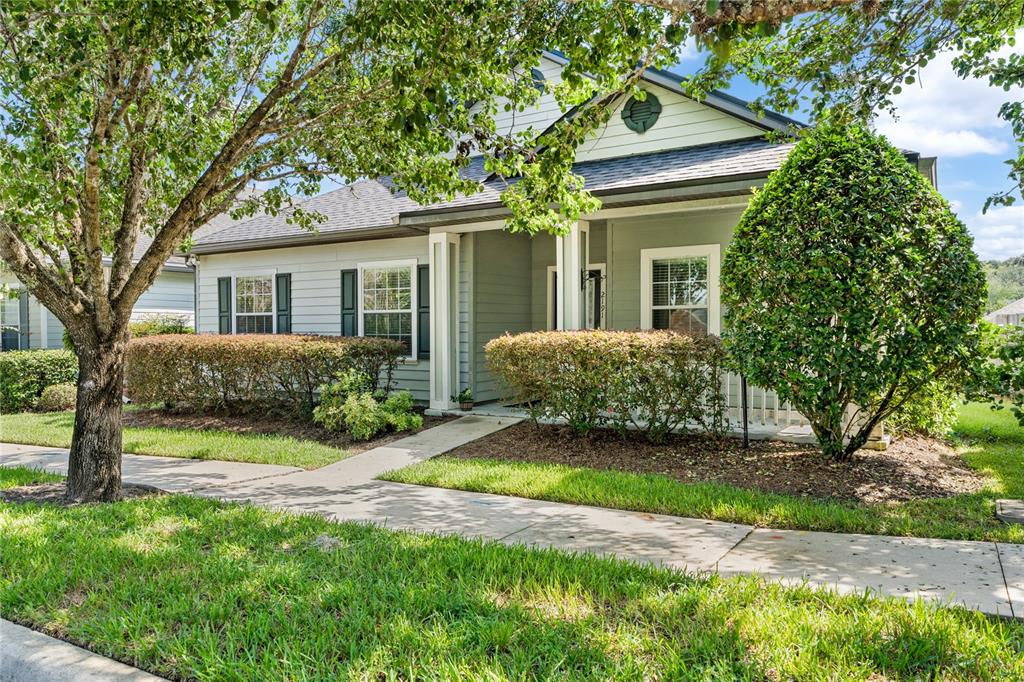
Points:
[(654, 382), (58, 398), (363, 415), (850, 284), (160, 324), (243, 372), (932, 411), (24, 374), (333, 396)]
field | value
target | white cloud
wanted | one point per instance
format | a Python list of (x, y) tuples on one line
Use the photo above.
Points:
[(944, 115), (998, 234)]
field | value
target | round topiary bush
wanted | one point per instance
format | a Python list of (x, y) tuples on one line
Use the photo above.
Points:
[(58, 398), (850, 285)]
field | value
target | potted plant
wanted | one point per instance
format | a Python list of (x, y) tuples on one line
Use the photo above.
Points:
[(464, 399)]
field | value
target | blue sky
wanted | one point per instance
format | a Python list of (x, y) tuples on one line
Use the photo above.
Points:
[(957, 121)]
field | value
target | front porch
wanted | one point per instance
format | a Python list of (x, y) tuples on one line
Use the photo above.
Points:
[(627, 268)]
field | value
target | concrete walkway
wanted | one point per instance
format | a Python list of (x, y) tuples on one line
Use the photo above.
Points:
[(985, 576), (30, 656)]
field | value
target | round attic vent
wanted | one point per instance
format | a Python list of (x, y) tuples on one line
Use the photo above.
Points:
[(537, 77), (641, 116)]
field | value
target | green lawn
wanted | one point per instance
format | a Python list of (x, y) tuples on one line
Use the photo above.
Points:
[(197, 589), (54, 429), (994, 444)]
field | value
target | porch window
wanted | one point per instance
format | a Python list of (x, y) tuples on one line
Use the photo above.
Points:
[(387, 302), (680, 289), (254, 304)]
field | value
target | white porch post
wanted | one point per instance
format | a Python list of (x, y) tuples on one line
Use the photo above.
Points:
[(444, 315), (44, 336), (570, 258)]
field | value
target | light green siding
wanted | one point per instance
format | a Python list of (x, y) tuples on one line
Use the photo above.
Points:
[(316, 287), (501, 298), (626, 238), (542, 255)]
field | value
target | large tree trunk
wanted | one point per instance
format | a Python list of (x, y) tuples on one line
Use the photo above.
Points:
[(94, 470)]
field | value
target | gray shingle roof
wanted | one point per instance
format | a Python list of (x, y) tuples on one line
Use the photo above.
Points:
[(644, 171), (370, 204), (1013, 308)]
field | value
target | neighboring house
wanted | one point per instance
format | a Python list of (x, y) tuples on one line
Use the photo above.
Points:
[(1011, 313), (27, 324), (674, 176)]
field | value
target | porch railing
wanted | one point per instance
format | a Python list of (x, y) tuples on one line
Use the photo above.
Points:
[(764, 408)]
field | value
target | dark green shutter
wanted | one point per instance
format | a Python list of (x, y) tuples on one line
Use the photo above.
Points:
[(284, 303), (423, 312), (349, 284), (224, 304)]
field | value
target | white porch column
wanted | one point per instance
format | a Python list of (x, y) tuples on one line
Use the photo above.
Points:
[(571, 258), (44, 336), (444, 317)]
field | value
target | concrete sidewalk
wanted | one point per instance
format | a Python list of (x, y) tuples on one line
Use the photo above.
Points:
[(979, 575)]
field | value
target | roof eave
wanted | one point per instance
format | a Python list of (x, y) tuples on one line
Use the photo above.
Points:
[(257, 243), (700, 188)]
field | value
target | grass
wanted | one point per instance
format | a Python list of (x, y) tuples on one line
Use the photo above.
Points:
[(993, 443), (191, 588), (53, 429)]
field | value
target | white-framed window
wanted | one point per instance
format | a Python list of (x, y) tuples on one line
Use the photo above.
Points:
[(679, 289), (387, 302), (254, 303)]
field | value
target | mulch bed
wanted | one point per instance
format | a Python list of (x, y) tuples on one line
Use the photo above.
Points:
[(53, 493), (911, 468), (266, 424)]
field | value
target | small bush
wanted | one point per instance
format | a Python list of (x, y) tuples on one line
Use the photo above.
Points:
[(654, 382), (363, 415), (160, 324), (932, 411), (252, 371), (58, 398), (24, 374)]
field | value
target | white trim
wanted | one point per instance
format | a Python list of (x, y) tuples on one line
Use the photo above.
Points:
[(273, 297), (713, 252), (410, 263), (443, 255), (44, 333), (550, 323), (717, 204)]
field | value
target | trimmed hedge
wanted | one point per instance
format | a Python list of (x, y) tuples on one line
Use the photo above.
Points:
[(654, 382), (160, 324), (242, 372), (24, 374)]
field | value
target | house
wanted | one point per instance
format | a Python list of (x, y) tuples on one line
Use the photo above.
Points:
[(674, 176), (25, 323), (1011, 313)]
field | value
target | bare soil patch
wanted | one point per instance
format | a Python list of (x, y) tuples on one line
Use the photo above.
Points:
[(264, 424), (53, 493), (911, 468)]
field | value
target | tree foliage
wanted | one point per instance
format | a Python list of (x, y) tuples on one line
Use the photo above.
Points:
[(851, 57), (850, 285), (129, 117)]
